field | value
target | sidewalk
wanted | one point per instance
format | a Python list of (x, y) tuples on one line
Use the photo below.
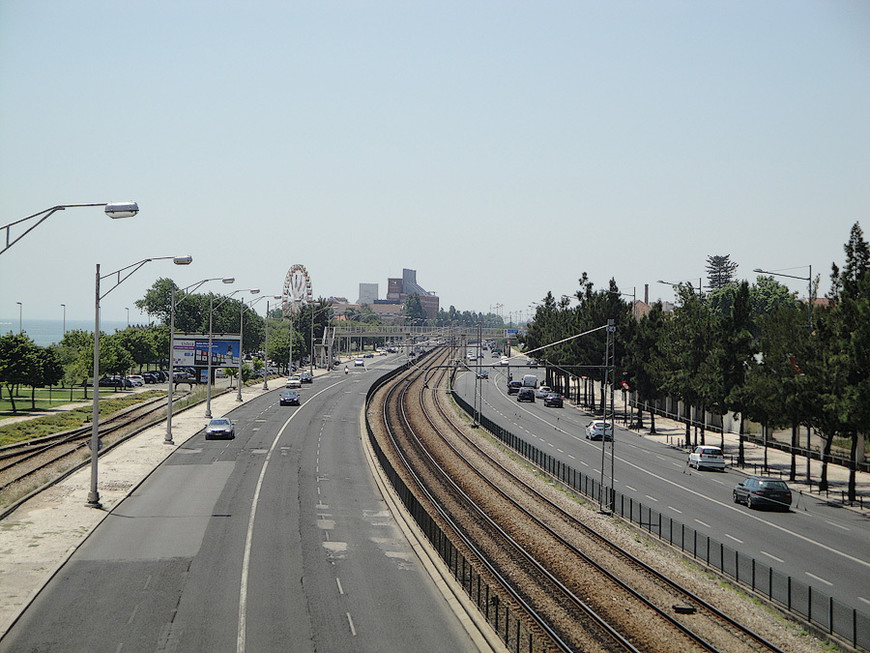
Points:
[(38, 538)]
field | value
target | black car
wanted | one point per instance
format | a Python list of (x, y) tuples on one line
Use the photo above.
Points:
[(761, 491), (526, 394), (514, 387), (290, 398), (554, 400), (306, 377)]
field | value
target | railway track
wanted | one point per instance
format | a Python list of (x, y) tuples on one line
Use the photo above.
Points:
[(31, 464), (575, 589)]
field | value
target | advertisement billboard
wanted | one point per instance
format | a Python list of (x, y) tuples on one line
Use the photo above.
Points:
[(192, 351)]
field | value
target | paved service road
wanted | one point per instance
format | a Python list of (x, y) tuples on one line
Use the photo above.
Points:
[(815, 543), (275, 541)]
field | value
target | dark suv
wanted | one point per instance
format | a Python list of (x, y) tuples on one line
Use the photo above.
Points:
[(526, 394), (514, 387)]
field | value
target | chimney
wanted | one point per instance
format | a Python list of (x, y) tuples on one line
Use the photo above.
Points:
[(646, 293)]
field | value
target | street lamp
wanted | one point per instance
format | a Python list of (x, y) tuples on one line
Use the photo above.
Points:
[(122, 275), (211, 308), (266, 345), (808, 279), (20, 322), (253, 291), (114, 210), (63, 306), (191, 288)]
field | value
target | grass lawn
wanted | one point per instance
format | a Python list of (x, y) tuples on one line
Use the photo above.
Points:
[(67, 419), (46, 399)]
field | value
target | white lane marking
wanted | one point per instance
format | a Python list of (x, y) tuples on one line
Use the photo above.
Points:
[(845, 528), (861, 598), (738, 540), (675, 510), (702, 523), (633, 489), (340, 588), (133, 615), (717, 481), (246, 560), (651, 498), (770, 555), (819, 578), (350, 623)]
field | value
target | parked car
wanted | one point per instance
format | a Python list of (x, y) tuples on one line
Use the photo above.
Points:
[(598, 429), (220, 427), (553, 400), (543, 391), (115, 382), (707, 457), (294, 382), (514, 387), (526, 394), (289, 398), (761, 491), (136, 380), (359, 362), (150, 377), (306, 377)]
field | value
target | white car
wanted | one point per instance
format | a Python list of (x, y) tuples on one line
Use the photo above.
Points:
[(543, 391), (598, 429), (137, 379), (359, 362), (294, 381), (707, 457), (504, 361)]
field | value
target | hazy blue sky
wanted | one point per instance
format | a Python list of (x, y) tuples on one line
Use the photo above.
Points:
[(498, 148)]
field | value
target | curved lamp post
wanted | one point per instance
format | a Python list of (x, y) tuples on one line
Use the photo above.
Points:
[(122, 275), (266, 345), (114, 210), (211, 308), (168, 438)]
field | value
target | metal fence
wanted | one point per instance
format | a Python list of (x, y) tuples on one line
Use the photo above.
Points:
[(823, 611)]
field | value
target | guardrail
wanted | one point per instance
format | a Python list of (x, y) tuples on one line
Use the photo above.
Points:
[(827, 614)]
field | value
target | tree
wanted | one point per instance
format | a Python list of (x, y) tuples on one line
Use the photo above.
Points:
[(19, 362), (643, 361), (720, 271), (414, 309)]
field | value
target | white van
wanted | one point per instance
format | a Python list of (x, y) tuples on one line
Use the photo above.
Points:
[(530, 381)]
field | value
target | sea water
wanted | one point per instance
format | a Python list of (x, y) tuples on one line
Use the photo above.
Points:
[(47, 332)]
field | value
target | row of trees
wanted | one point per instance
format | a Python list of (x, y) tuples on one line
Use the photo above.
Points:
[(752, 349)]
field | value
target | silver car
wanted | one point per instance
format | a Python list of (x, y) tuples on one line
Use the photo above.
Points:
[(599, 429), (220, 427)]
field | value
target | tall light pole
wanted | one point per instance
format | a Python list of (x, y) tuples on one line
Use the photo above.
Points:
[(20, 320), (63, 306), (266, 345), (122, 275), (210, 336), (227, 280), (253, 291), (114, 210), (809, 280)]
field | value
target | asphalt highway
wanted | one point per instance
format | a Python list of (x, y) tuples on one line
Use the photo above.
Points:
[(276, 540)]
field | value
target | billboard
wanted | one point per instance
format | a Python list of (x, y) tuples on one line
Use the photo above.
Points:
[(192, 351)]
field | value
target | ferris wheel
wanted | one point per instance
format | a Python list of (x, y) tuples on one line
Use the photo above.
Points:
[(297, 289)]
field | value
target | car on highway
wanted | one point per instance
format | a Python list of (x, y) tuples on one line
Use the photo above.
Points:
[(532, 363), (294, 381), (543, 391), (707, 457), (359, 362), (306, 377), (762, 491), (483, 374), (553, 400), (504, 361), (598, 429), (514, 387), (289, 398), (368, 354), (220, 427), (526, 394)]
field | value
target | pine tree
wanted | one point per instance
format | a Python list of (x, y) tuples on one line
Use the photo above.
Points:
[(720, 271)]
